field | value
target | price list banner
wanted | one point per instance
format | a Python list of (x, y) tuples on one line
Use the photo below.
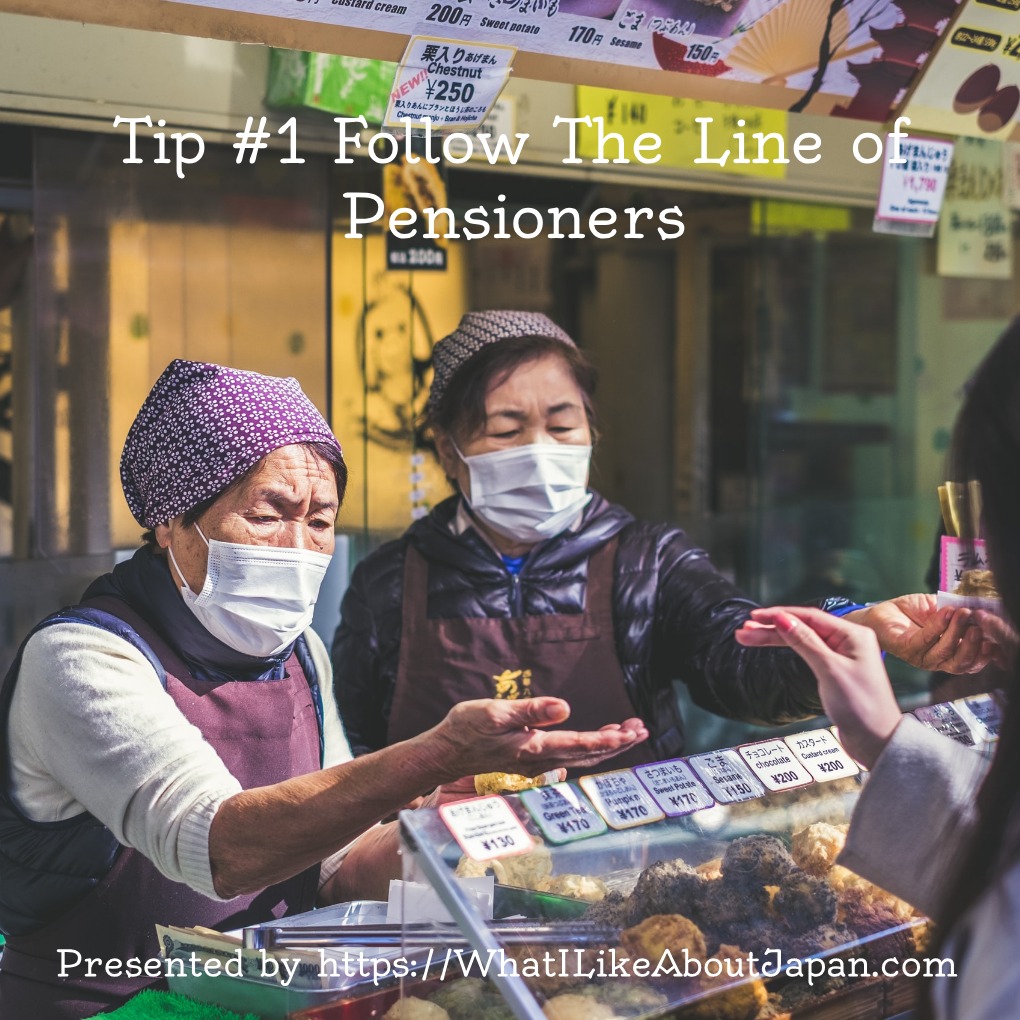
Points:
[(674, 787), (621, 800), (562, 813), (486, 828), (727, 776), (822, 755), (785, 54)]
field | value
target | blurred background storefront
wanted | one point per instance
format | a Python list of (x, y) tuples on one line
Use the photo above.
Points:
[(781, 381)]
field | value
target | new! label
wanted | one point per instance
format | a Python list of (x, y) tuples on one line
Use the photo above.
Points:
[(674, 787), (486, 828), (621, 800), (822, 755), (774, 764), (562, 813), (727, 777)]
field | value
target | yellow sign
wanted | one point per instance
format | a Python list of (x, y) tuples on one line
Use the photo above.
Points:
[(694, 135), (769, 216)]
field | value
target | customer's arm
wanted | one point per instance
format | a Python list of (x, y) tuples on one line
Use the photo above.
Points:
[(917, 806)]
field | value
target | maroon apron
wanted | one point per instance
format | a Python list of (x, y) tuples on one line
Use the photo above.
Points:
[(265, 732), (565, 655)]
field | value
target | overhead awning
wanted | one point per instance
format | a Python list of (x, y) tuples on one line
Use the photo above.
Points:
[(846, 58)]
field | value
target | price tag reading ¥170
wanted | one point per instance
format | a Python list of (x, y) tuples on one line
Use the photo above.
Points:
[(822, 755), (774, 764), (621, 800), (946, 720), (675, 787), (562, 813), (727, 777), (486, 827)]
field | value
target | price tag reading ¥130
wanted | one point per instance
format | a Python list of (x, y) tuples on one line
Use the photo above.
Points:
[(727, 777), (621, 800), (822, 755), (562, 813), (675, 787), (775, 765), (946, 720), (486, 827)]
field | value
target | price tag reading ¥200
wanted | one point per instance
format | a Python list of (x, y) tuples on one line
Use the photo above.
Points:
[(822, 755), (562, 813), (675, 787), (727, 777), (775, 765), (621, 800), (984, 715), (486, 827), (946, 720)]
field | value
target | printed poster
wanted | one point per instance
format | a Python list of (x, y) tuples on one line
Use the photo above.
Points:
[(855, 60)]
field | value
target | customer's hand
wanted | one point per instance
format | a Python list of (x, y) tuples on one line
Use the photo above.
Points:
[(1003, 637), (846, 659), (506, 736)]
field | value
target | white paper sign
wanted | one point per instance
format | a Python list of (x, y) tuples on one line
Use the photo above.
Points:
[(454, 84), (774, 764), (946, 720), (486, 828), (727, 776), (674, 787), (562, 813), (621, 800), (910, 195), (822, 755), (984, 715)]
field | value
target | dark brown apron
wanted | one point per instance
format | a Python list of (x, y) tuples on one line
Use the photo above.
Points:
[(565, 655), (265, 732)]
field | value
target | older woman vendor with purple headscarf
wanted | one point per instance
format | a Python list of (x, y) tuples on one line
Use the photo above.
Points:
[(173, 748)]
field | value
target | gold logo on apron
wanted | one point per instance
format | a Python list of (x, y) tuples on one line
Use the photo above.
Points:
[(513, 684)]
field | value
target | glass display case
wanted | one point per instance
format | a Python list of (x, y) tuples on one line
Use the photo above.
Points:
[(704, 888)]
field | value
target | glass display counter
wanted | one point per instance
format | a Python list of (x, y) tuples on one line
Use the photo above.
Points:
[(704, 888)]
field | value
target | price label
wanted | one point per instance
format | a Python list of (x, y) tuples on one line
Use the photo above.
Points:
[(451, 83), (621, 800), (984, 715), (674, 787), (822, 755), (726, 775), (946, 720), (486, 828), (562, 813), (774, 764)]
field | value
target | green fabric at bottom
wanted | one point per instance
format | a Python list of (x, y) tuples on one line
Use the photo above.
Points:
[(167, 1006)]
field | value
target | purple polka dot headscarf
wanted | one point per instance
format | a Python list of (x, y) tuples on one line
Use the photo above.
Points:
[(477, 330), (202, 427)]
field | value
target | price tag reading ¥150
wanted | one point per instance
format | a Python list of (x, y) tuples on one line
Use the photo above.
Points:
[(822, 755), (562, 813), (675, 787), (946, 720), (727, 777), (621, 800), (486, 827), (775, 765)]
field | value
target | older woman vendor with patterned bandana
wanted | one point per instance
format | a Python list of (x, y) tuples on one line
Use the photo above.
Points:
[(173, 748), (526, 582)]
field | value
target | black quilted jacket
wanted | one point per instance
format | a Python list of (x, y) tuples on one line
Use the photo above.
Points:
[(674, 618)]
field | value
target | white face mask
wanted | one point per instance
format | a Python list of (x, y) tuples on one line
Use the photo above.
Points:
[(258, 599), (529, 493)]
